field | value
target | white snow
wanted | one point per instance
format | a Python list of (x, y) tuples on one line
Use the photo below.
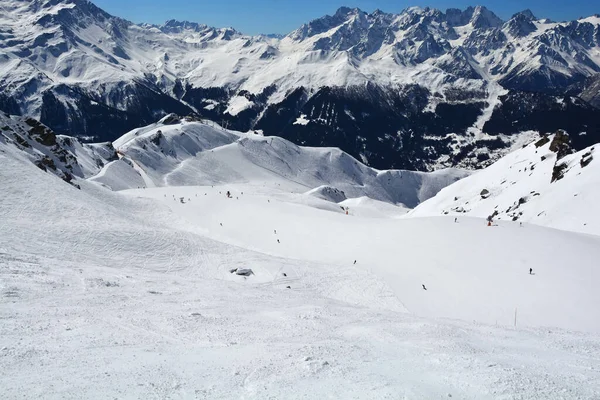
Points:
[(301, 120), (328, 193), (129, 294), (119, 175), (238, 104), (565, 204), (196, 153)]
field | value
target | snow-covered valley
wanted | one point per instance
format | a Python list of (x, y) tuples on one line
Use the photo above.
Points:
[(130, 294)]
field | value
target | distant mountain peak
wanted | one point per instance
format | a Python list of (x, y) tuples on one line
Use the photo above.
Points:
[(483, 18), (345, 11), (187, 25), (173, 26), (525, 14), (521, 24)]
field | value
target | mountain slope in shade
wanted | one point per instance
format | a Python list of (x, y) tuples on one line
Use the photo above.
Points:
[(540, 184)]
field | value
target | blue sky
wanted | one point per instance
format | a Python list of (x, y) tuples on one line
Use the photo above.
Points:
[(283, 16)]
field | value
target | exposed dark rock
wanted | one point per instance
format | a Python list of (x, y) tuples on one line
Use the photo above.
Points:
[(558, 172), (545, 139), (561, 145)]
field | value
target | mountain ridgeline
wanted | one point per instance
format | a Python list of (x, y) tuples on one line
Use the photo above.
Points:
[(419, 90)]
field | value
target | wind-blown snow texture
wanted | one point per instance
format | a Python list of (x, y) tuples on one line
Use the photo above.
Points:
[(129, 294), (415, 90)]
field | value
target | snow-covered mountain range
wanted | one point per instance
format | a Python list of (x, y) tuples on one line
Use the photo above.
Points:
[(416, 90), (184, 152)]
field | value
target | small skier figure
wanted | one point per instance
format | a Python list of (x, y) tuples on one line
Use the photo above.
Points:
[(278, 241), (354, 262), (455, 220), (228, 194), (530, 271), (424, 288), (275, 231)]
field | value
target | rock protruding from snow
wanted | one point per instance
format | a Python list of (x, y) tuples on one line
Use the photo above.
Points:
[(328, 193), (64, 156), (542, 184)]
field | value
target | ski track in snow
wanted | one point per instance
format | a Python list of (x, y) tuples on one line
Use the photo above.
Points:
[(129, 295)]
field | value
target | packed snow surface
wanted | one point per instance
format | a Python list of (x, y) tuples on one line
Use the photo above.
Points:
[(129, 295)]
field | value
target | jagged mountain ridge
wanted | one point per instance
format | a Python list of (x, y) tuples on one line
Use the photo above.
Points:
[(408, 90)]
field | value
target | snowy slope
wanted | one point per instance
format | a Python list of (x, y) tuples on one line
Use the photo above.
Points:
[(190, 153), (475, 273), (129, 294), (521, 188)]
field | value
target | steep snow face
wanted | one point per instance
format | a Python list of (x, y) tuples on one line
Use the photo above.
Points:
[(191, 153), (534, 184)]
